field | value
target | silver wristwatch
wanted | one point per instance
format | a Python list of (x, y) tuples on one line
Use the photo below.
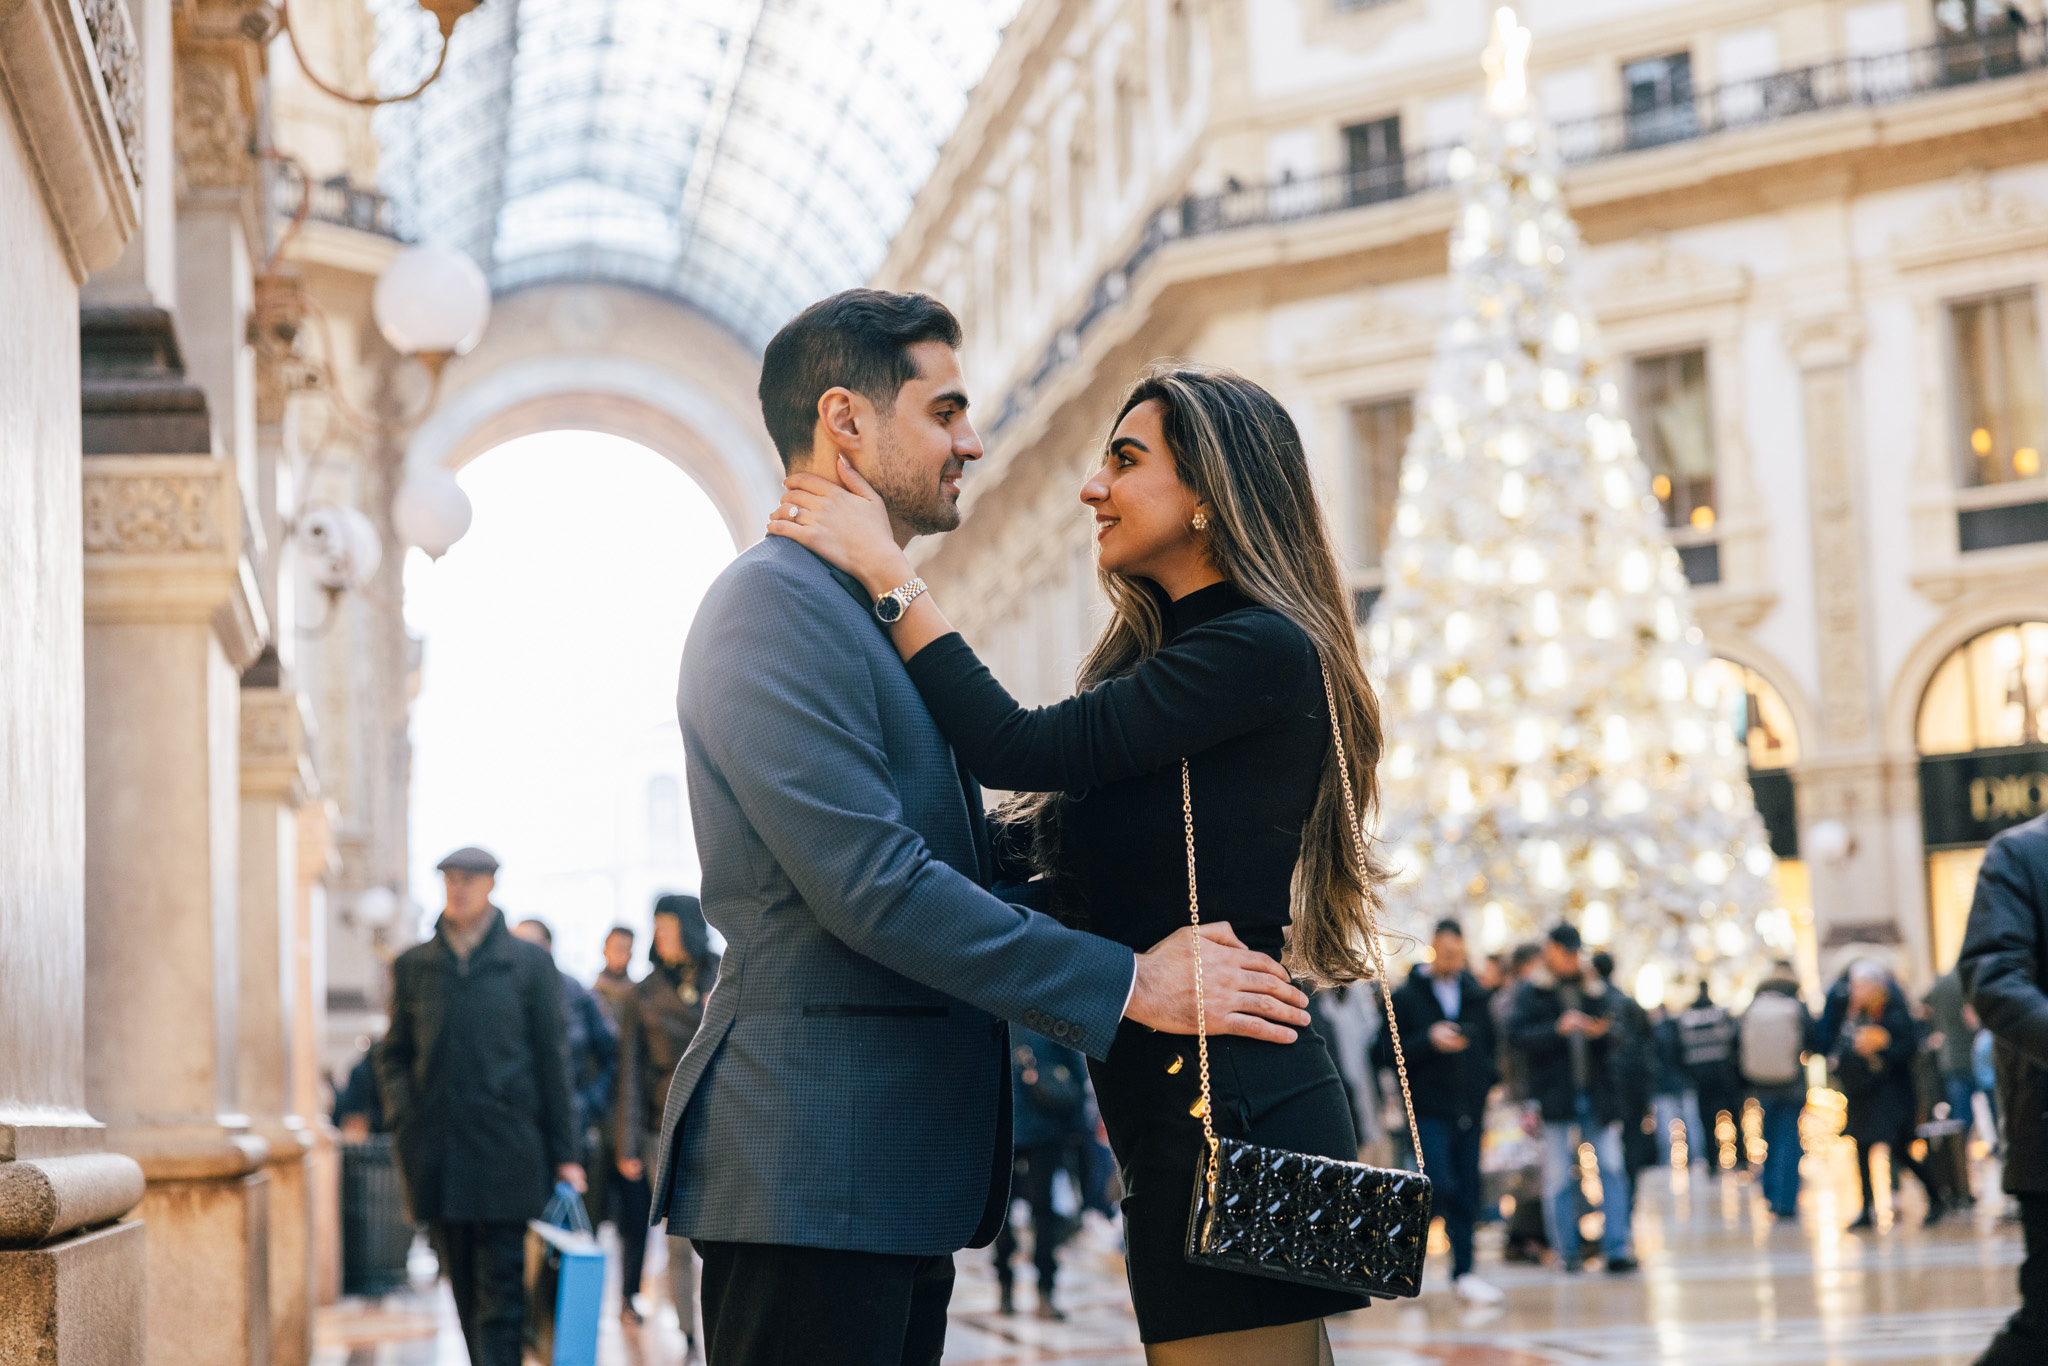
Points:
[(890, 607)]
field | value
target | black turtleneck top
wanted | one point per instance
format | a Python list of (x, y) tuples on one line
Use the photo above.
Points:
[(1236, 689)]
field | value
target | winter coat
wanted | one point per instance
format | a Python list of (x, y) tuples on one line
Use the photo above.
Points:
[(2004, 964), (475, 1078), (593, 1054), (1669, 1076), (1532, 1027), (1883, 1101), (1446, 1086), (1048, 1090), (658, 1023), (1944, 1002)]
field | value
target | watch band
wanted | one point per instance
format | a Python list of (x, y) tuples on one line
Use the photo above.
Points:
[(890, 607)]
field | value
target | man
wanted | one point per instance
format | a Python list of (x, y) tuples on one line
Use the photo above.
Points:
[(1561, 1022), (840, 1124), (1951, 1037), (1776, 1034), (592, 1038), (1674, 1099), (1706, 1033), (657, 1023), (614, 985), (475, 1076), (2004, 964), (1446, 1024), (1629, 1069), (1049, 1105), (1527, 1238)]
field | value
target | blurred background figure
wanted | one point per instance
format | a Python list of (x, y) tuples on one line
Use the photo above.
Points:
[(1348, 1018), (475, 1078), (1706, 1034), (613, 1196), (1872, 1059), (1673, 1097), (1773, 1039), (2004, 963), (1050, 1117), (593, 1056), (658, 1022), (359, 1106), (1629, 1050), (1562, 1022), (1528, 1237), (1952, 1035), (614, 985), (1447, 1034)]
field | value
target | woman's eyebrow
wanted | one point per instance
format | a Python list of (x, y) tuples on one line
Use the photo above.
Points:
[(1116, 446)]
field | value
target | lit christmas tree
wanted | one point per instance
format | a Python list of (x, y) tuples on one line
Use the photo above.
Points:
[(1557, 746)]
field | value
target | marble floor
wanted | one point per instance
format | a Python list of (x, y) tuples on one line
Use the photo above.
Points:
[(1721, 1282)]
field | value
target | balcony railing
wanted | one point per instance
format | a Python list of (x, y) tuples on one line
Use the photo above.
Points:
[(334, 200), (1847, 82)]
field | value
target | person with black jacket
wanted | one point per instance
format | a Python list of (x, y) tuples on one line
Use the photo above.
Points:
[(1872, 1060), (1050, 1114), (1447, 1029), (475, 1077), (1630, 1064), (2004, 963), (656, 1025), (1562, 1021)]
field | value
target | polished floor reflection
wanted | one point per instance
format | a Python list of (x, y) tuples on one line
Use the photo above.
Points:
[(1721, 1282)]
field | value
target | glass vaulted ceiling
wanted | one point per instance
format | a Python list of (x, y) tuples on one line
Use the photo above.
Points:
[(745, 156)]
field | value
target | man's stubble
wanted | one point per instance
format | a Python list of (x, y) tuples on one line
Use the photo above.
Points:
[(912, 496)]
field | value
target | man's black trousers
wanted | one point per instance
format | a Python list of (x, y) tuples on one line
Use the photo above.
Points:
[(630, 1201), (486, 1268), (1031, 1181), (769, 1305), (2024, 1339)]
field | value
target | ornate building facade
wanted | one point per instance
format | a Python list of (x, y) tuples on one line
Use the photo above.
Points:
[(1818, 233)]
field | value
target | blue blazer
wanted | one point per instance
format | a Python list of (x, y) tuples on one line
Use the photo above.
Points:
[(849, 1087)]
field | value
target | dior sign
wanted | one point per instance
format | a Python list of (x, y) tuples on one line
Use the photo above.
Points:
[(1965, 799)]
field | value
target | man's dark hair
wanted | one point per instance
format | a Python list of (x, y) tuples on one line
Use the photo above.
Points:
[(1566, 937), (1524, 955), (626, 930), (541, 925), (1449, 927), (1603, 963), (859, 339)]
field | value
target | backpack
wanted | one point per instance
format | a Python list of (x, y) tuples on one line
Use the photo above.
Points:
[(1708, 1037), (1773, 1034)]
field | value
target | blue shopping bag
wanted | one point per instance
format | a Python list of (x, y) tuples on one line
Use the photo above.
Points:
[(564, 1283)]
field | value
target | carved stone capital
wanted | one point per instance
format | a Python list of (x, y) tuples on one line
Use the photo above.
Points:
[(275, 762), (70, 76), (1818, 341), (163, 537), (215, 119)]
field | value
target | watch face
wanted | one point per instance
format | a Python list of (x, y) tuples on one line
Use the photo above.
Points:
[(889, 609)]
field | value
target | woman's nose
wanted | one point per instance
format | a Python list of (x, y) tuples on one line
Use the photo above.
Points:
[(1094, 489)]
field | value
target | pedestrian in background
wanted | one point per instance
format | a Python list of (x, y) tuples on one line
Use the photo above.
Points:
[(593, 1052), (1706, 1033), (358, 1107), (1774, 1037), (1951, 1036), (614, 985), (475, 1077), (666, 1007), (2004, 964), (1447, 1021), (1629, 1066), (1562, 1022), (1049, 1116), (624, 1200), (1873, 1066), (1673, 1097), (1527, 1236)]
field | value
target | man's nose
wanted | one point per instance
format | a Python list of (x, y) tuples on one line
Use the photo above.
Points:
[(968, 447)]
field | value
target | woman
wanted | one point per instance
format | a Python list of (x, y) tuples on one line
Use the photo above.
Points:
[(1873, 1065), (1227, 606)]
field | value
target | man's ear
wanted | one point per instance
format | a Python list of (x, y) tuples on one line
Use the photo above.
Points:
[(839, 418)]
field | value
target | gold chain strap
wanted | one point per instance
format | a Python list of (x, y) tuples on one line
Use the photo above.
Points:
[(1372, 924)]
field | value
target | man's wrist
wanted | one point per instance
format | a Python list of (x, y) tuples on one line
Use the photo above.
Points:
[(889, 577)]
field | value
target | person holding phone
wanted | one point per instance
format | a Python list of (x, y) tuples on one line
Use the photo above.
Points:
[(1452, 1065)]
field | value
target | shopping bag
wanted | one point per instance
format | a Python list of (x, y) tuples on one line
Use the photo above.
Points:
[(564, 1283)]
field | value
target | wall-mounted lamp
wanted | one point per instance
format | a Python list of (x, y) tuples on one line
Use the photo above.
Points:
[(431, 303)]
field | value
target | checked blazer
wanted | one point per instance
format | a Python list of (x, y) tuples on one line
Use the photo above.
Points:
[(849, 1085)]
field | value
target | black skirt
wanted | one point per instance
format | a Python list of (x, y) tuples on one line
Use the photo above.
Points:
[(1278, 1095)]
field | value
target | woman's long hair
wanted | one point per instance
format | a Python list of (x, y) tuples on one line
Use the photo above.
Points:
[(1237, 448)]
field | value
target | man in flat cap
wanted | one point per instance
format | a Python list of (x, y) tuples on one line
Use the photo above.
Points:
[(475, 1076)]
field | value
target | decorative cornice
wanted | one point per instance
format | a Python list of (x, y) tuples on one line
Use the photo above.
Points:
[(1371, 331), (1979, 221), (1657, 280), (1820, 340), (71, 79), (273, 749)]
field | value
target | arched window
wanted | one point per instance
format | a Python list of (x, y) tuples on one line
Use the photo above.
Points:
[(1763, 725), (664, 819), (1983, 739)]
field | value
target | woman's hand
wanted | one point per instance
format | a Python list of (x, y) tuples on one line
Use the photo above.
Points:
[(846, 524)]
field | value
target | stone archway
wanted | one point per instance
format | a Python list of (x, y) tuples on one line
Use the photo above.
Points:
[(606, 358)]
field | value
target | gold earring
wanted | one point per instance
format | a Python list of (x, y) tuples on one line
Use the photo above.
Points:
[(1201, 522)]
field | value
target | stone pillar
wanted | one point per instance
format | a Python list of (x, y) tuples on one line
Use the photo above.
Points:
[(276, 780), (71, 1278), (1872, 900), (169, 625), (316, 865)]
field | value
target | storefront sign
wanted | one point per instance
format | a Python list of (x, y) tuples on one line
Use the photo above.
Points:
[(1968, 798)]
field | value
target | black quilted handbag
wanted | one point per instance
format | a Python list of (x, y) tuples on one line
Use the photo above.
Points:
[(1294, 1216)]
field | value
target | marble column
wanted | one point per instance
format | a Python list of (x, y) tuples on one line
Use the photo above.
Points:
[(277, 779), (169, 625), (71, 1268)]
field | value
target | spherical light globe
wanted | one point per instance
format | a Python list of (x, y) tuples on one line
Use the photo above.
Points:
[(431, 300), (376, 907), (431, 511)]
